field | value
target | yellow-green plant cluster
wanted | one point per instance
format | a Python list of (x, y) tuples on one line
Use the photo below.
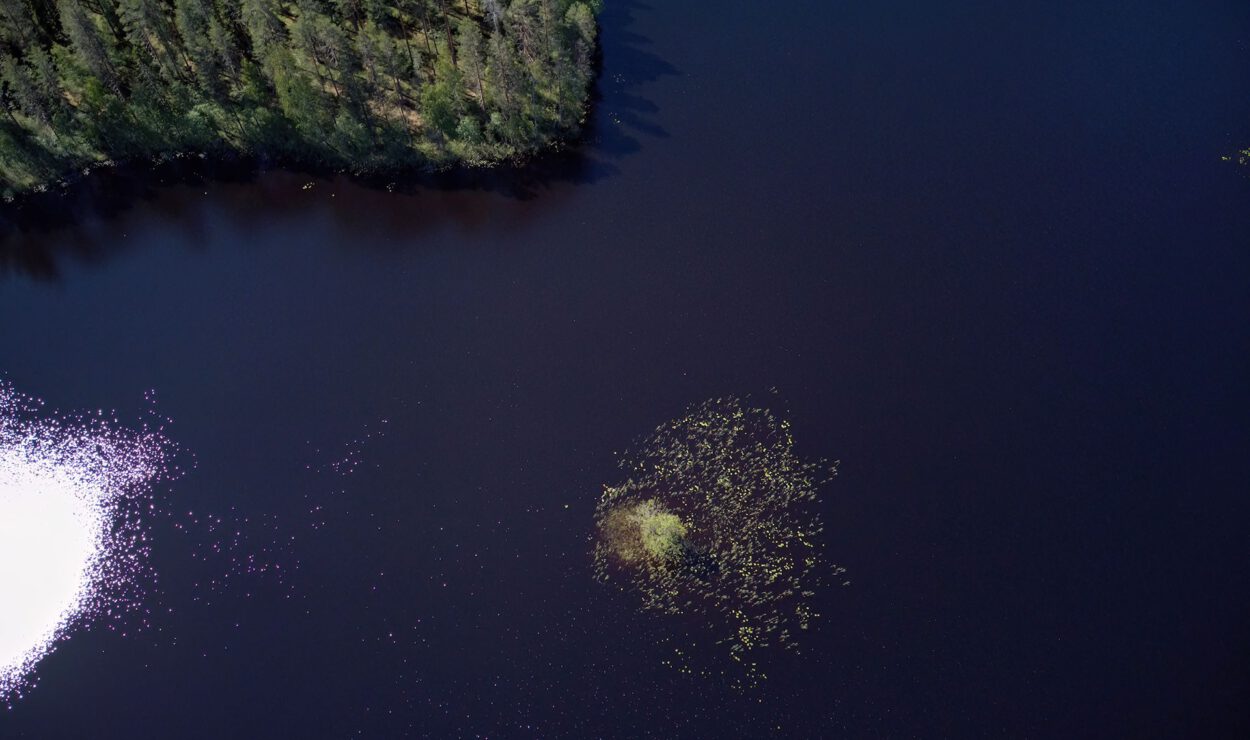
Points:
[(716, 517), (644, 531)]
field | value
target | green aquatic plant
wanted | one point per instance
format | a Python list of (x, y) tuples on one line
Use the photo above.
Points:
[(716, 518), (1242, 157)]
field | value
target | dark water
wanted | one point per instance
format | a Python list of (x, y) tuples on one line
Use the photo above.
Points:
[(987, 253)]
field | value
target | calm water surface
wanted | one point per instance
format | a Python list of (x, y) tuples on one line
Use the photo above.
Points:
[(987, 253)]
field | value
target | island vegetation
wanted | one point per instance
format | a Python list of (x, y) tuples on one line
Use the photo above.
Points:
[(362, 85)]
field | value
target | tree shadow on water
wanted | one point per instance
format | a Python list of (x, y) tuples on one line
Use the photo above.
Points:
[(628, 64), (89, 220)]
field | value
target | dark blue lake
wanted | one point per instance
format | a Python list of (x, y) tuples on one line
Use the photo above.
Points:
[(988, 254)]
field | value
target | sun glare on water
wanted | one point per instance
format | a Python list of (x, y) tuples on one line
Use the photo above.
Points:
[(75, 493)]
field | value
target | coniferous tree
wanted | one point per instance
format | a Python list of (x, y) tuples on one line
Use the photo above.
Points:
[(47, 81), (23, 90), (352, 83), (148, 30), (473, 61), (17, 25), (89, 43), (193, 19), (264, 28)]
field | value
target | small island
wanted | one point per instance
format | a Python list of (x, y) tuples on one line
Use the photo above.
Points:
[(359, 85), (717, 519)]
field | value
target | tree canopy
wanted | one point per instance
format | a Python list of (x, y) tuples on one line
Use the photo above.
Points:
[(359, 84)]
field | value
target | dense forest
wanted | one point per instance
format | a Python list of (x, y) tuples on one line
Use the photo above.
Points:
[(358, 84)]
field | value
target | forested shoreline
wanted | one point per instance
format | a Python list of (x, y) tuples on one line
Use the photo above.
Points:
[(363, 85)]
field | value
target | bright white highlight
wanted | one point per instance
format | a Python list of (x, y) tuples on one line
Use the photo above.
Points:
[(51, 532), (73, 545)]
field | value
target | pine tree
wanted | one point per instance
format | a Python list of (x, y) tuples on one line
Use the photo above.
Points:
[(580, 17), (89, 44), (47, 81), (149, 30), (471, 53), (349, 82), (193, 20), (17, 26), (264, 28), (23, 89)]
